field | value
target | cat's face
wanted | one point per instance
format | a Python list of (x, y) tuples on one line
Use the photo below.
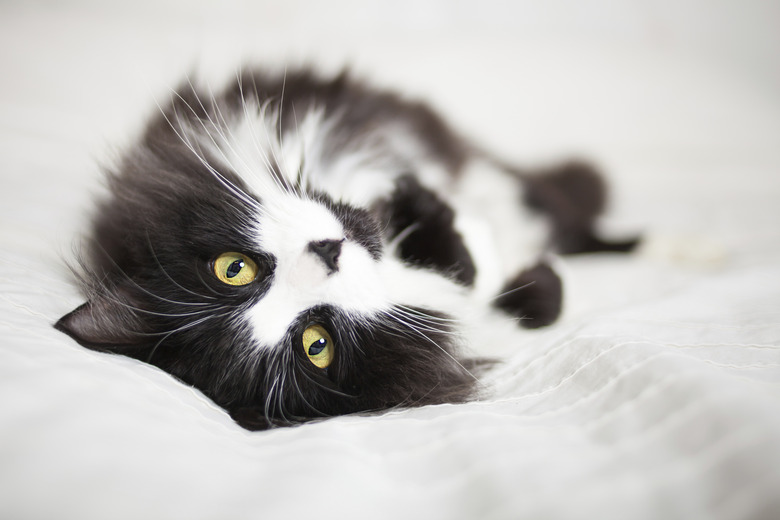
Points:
[(274, 304)]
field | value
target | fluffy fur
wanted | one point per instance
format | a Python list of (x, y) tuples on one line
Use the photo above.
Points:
[(364, 213)]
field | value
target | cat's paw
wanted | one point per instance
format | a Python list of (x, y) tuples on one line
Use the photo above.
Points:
[(422, 226), (534, 296)]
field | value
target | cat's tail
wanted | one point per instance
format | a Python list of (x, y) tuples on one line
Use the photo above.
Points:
[(572, 195)]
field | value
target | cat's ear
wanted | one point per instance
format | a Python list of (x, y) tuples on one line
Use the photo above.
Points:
[(106, 323)]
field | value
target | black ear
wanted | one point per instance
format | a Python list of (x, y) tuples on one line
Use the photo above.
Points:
[(105, 323)]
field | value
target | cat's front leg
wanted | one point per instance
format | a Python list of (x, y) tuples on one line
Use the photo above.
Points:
[(534, 296), (421, 226)]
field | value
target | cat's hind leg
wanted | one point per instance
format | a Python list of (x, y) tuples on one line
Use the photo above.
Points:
[(572, 195)]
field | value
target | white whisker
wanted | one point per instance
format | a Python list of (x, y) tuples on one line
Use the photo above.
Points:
[(221, 178), (512, 291), (421, 333)]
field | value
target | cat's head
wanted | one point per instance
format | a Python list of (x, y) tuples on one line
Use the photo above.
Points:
[(269, 296)]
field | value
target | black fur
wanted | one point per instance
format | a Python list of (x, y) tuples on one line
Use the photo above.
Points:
[(427, 226), (572, 195), (379, 365), (366, 107), (361, 225), (152, 293), (534, 296)]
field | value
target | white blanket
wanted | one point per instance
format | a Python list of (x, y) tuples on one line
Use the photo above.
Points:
[(656, 396)]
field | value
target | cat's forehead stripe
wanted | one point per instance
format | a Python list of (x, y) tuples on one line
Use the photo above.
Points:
[(288, 223), (265, 160)]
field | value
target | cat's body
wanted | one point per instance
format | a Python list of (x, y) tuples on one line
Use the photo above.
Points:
[(298, 247)]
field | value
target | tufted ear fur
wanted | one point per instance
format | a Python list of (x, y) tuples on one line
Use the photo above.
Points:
[(107, 322)]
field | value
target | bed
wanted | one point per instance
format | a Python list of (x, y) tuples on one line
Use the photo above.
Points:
[(657, 395)]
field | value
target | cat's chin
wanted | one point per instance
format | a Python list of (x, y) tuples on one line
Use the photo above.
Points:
[(400, 357)]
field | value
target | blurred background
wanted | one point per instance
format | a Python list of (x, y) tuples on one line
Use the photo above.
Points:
[(677, 100), (664, 94)]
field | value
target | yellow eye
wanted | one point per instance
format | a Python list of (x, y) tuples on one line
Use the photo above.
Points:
[(318, 346), (235, 269)]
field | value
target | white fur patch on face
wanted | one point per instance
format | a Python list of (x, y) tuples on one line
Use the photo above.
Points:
[(287, 223), (252, 147), (301, 279)]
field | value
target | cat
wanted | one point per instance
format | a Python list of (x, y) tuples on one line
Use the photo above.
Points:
[(299, 246)]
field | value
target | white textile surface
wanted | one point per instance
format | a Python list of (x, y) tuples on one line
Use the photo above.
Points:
[(656, 396)]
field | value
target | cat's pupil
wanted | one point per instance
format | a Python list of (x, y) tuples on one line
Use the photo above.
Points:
[(234, 268), (318, 346)]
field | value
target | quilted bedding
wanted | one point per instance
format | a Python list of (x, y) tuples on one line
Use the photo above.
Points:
[(656, 396)]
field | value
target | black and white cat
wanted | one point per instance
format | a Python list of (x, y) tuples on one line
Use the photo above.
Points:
[(299, 247)]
